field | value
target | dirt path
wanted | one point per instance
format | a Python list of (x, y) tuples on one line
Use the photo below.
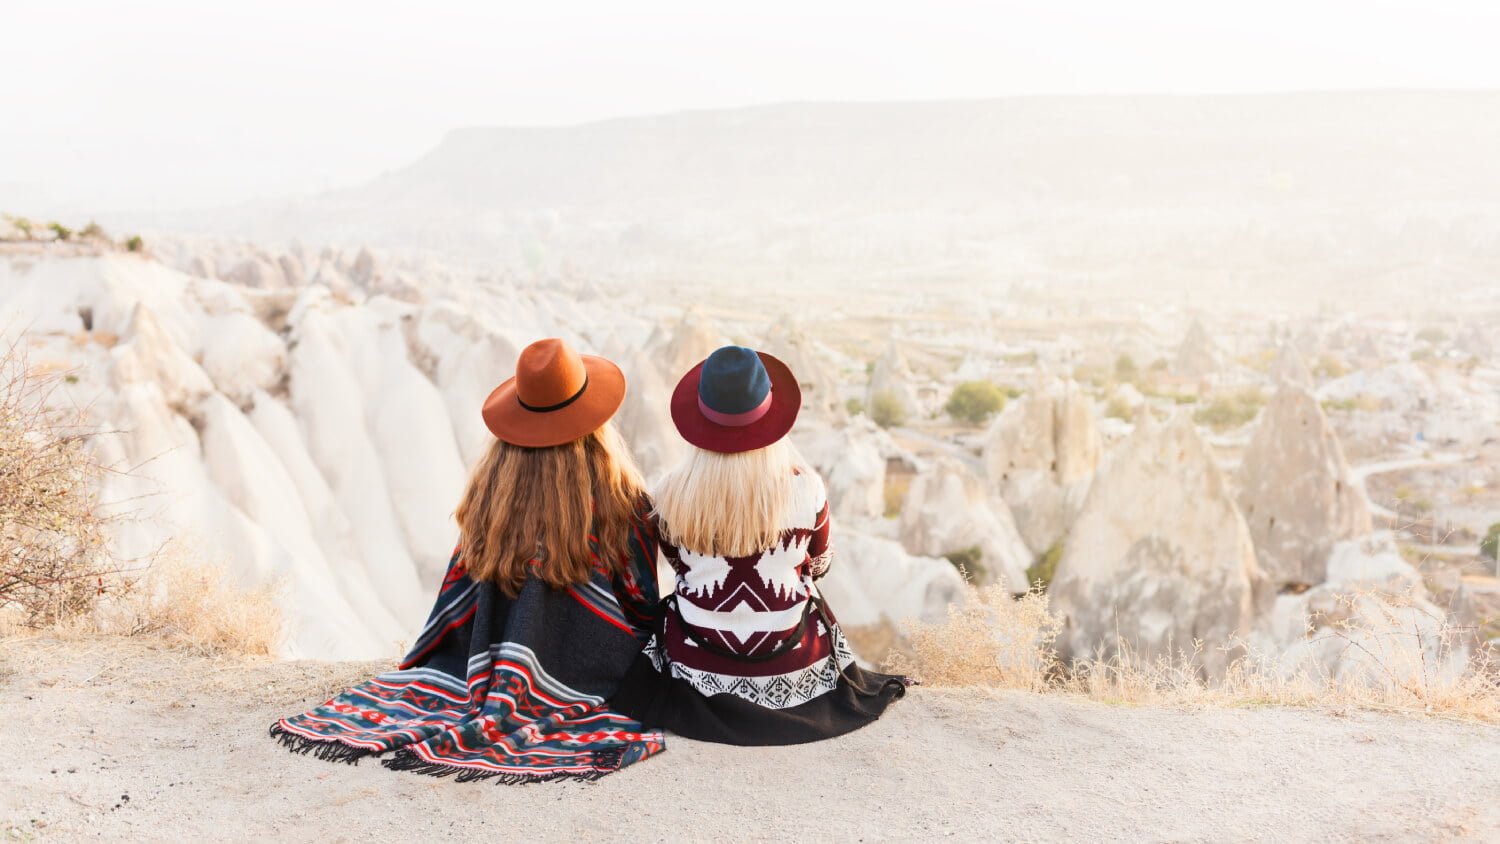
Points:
[(117, 740)]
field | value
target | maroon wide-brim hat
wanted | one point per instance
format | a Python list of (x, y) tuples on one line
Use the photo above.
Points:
[(555, 397), (736, 400)]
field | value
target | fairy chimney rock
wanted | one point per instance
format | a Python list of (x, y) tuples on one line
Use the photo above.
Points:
[(947, 509), (1296, 490), (1040, 454), (1198, 356), (1290, 368), (1159, 557)]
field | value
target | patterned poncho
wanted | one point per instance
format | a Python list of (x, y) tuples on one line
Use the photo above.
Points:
[(506, 688)]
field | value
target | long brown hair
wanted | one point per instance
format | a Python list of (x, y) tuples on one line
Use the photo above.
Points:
[(531, 510)]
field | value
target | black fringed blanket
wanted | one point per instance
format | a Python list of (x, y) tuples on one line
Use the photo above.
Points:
[(511, 689)]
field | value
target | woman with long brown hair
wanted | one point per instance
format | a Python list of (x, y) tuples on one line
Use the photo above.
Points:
[(546, 601)]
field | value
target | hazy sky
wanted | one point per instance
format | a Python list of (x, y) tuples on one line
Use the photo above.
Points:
[(161, 104)]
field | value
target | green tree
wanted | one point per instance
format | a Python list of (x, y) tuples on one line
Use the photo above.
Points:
[(1489, 547), (1125, 368), (975, 401), (1044, 569), (886, 409), (135, 244), (62, 231)]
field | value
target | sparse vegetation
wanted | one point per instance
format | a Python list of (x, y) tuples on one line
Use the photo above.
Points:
[(56, 570), (1329, 367), (134, 243), (991, 639), (895, 493), (1432, 334), (969, 561), (53, 563), (1489, 547), (998, 641), (196, 606), (974, 402), (1118, 409), (61, 231), (1045, 568), (1360, 403), (854, 406), (886, 409), (1125, 368), (22, 225), (1231, 411)]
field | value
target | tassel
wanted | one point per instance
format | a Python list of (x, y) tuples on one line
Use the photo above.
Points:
[(406, 760), (329, 750)]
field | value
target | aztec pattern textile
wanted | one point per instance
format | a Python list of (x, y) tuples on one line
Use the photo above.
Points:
[(773, 691), (512, 689), (748, 652), (750, 606)]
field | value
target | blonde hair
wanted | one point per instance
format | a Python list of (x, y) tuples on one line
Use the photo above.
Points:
[(730, 505), (540, 505)]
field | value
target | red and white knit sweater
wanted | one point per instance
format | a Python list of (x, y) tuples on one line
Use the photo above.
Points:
[(751, 605)]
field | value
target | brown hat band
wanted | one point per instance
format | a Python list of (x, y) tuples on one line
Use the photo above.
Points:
[(560, 405)]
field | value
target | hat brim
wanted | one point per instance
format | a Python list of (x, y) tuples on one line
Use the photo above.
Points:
[(786, 401), (601, 398)]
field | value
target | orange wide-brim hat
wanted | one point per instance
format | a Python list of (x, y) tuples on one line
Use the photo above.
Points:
[(555, 397)]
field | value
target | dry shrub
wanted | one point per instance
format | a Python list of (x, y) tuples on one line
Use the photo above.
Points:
[(992, 639), (56, 569), (53, 558), (1393, 660), (194, 605)]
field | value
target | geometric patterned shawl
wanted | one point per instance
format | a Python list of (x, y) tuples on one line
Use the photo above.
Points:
[(499, 688)]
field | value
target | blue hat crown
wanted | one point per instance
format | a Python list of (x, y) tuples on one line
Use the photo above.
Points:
[(734, 381)]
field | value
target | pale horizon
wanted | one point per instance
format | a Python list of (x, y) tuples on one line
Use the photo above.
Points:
[(169, 105)]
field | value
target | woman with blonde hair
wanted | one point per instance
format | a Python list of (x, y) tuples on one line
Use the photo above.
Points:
[(747, 651), (546, 602)]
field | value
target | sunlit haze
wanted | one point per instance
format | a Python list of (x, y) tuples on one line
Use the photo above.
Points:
[(161, 105)]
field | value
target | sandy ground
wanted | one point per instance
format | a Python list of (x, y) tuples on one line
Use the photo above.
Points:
[(119, 739)]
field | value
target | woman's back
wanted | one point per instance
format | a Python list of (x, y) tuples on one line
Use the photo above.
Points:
[(749, 604), (747, 651)]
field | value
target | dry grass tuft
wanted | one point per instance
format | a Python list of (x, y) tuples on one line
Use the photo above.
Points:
[(990, 640), (1398, 662), (196, 606)]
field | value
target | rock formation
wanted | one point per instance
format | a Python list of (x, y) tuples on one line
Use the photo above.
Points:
[(1199, 355), (1296, 491), (1159, 558), (1039, 455), (948, 510), (852, 461), (683, 346), (1371, 622), (1290, 368), (873, 579), (644, 420), (810, 362), (892, 377)]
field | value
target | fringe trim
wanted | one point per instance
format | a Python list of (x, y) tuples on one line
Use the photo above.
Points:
[(329, 750), (604, 762)]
